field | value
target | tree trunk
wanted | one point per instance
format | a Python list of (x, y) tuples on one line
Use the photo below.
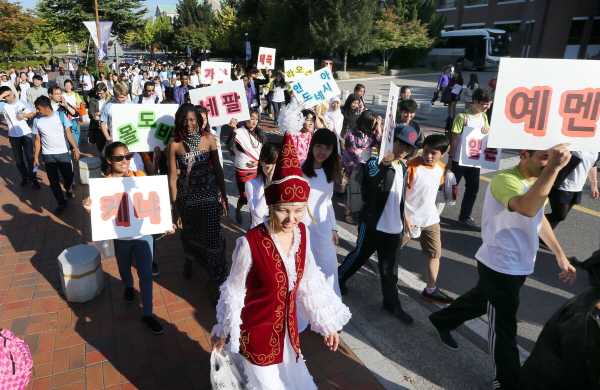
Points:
[(345, 58)]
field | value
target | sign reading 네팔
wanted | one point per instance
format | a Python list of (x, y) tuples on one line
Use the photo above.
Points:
[(223, 102)]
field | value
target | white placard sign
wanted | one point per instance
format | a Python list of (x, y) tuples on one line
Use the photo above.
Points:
[(129, 206), (296, 69), (474, 151), (266, 58), (142, 127), (316, 88), (536, 110), (223, 102), (387, 139), (209, 68)]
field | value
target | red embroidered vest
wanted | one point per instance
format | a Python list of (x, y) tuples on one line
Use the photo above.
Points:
[(269, 306)]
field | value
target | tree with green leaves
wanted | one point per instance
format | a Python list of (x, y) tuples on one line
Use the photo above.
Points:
[(286, 27), (196, 37), (194, 13), (391, 33), (163, 31), (68, 16), (228, 34), (16, 26), (44, 35)]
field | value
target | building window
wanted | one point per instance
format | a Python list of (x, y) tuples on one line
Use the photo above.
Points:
[(595, 34), (447, 4), (576, 32), (449, 28), (472, 26), (508, 27), (476, 2), (510, 1)]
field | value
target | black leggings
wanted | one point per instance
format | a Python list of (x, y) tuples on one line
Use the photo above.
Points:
[(559, 212)]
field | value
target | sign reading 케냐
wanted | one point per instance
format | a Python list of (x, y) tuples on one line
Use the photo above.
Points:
[(387, 140), (296, 69), (474, 150), (266, 58), (316, 88), (142, 127), (536, 110), (129, 206), (223, 102), (208, 70)]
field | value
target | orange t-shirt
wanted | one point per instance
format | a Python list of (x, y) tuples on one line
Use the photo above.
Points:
[(131, 173)]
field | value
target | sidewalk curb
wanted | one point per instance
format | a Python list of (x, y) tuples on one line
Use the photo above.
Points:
[(381, 367)]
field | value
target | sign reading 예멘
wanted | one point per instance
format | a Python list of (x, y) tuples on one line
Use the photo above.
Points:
[(129, 206), (296, 69), (142, 127), (387, 140), (208, 70), (536, 107), (223, 102), (316, 88), (474, 150), (266, 58)]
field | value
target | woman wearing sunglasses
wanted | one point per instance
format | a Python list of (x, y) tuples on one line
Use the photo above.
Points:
[(118, 159)]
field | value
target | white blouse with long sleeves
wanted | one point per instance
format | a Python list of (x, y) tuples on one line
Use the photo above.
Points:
[(315, 298)]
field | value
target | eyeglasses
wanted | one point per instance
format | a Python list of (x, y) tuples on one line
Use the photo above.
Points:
[(149, 90), (120, 158)]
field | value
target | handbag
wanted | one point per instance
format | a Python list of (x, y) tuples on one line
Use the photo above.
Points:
[(82, 111), (106, 247), (224, 375), (436, 95)]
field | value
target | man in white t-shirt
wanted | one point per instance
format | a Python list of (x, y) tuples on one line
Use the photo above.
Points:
[(513, 218), (147, 96), (50, 129), (5, 81), (16, 112), (87, 82)]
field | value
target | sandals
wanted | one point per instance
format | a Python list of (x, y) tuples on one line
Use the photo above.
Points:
[(349, 219)]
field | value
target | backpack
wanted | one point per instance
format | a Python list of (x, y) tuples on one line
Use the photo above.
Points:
[(16, 363), (141, 98), (356, 188), (74, 130)]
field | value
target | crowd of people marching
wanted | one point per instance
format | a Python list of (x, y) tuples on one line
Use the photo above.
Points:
[(285, 274)]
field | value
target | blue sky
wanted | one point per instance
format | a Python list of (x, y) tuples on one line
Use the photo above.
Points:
[(150, 4)]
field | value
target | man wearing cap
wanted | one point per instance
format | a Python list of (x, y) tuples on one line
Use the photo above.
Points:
[(382, 220)]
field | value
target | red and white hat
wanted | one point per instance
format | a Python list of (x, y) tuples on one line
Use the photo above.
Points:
[(288, 186)]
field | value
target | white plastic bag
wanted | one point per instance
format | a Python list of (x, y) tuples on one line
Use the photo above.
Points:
[(224, 375), (106, 247), (450, 188)]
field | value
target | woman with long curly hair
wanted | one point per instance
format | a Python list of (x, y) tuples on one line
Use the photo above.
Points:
[(197, 204)]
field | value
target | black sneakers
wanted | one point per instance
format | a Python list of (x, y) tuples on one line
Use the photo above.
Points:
[(24, 182), (155, 270), (129, 294), (153, 324), (400, 314), (445, 337), (70, 194), (62, 208), (35, 184), (438, 296)]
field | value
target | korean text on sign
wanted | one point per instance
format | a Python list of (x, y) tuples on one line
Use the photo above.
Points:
[(296, 69), (143, 127), (266, 58), (208, 70), (223, 102), (534, 109), (475, 151), (129, 207), (316, 88)]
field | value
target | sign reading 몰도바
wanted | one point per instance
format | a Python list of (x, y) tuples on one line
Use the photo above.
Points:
[(266, 58), (387, 139), (129, 206), (296, 69), (536, 110), (223, 102), (316, 88), (474, 150), (208, 69), (142, 127)]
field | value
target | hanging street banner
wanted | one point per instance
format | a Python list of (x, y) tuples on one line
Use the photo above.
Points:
[(105, 28), (223, 102), (142, 127), (130, 206), (537, 106), (387, 139)]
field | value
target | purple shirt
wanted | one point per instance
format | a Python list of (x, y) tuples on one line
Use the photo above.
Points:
[(444, 79), (179, 93)]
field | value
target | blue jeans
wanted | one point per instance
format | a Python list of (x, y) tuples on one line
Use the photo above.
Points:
[(471, 175), (276, 107), (56, 163), (142, 249), (22, 147)]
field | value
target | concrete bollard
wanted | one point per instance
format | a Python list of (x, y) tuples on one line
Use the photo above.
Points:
[(425, 108), (83, 135), (89, 168), (345, 95), (376, 100), (81, 273)]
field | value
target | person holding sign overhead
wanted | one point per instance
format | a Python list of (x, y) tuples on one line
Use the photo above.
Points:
[(197, 204)]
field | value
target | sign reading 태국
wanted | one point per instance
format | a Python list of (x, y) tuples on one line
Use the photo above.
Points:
[(537, 107), (296, 69), (387, 139), (316, 88), (266, 58), (142, 127), (208, 70), (223, 102), (474, 150), (129, 206)]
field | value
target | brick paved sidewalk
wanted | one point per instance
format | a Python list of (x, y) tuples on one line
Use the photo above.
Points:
[(102, 344)]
